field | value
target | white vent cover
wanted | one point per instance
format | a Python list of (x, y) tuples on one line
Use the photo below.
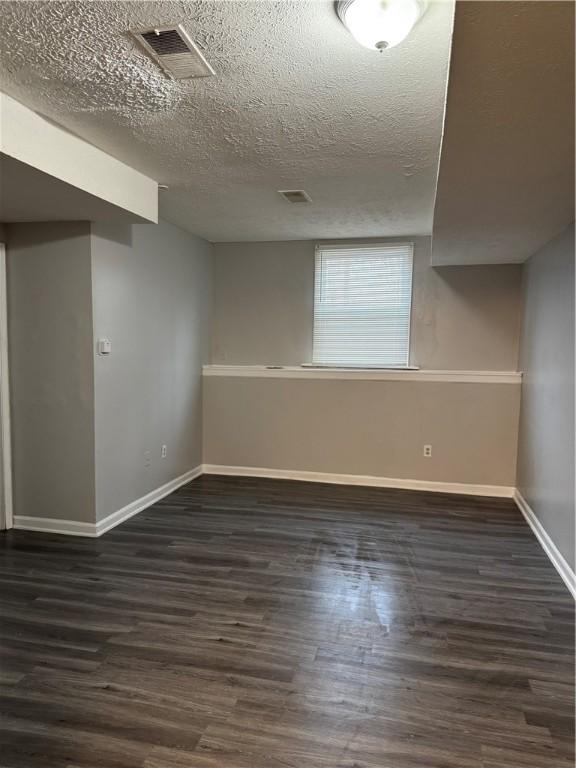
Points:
[(295, 195), (175, 51)]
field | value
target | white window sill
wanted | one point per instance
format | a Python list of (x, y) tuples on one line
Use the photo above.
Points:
[(326, 367), (362, 374)]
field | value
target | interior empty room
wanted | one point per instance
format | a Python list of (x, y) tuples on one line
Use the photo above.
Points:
[(287, 393)]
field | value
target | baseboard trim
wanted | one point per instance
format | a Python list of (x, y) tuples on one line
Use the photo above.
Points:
[(54, 525), (367, 480), (70, 528), (146, 501), (555, 556)]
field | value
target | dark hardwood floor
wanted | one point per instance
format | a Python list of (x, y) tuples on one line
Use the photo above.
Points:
[(246, 623)]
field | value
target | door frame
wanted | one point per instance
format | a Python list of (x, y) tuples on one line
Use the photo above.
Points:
[(5, 442)]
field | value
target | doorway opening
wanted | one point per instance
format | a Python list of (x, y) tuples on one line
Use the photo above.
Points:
[(6, 515)]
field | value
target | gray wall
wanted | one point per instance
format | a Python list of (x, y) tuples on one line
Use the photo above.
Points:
[(546, 441), (152, 299), (88, 430), (463, 318), (51, 370)]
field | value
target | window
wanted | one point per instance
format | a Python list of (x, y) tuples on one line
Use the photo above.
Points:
[(362, 300)]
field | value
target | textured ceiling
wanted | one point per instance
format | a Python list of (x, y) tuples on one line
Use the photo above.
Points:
[(506, 183), (296, 103)]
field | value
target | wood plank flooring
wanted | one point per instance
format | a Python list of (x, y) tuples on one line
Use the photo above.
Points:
[(244, 623)]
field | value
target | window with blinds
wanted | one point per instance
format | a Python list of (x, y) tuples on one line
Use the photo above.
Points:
[(362, 301)]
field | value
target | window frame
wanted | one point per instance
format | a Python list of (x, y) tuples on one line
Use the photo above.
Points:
[(374, 244)]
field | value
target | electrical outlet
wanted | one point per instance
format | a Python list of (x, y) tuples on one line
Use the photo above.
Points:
[(164, 451), (428, 451), (147, 459)]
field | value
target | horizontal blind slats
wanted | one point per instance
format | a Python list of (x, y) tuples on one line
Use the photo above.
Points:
[(362, 302)]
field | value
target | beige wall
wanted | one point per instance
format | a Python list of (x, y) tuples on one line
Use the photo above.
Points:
[(364, 427), (51, 370), (463, 318), (152, 296), (546, 444)]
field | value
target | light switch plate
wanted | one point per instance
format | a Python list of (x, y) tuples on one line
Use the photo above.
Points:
[(104, 346)]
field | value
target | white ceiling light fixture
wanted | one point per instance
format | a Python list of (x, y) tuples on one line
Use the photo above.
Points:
[(380, 24)]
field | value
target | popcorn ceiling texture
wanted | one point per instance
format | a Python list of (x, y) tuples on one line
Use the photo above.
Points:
[(295, 103)]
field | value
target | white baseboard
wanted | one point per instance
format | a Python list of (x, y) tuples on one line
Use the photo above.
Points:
[(48, 525), (367, 480), (556, 558), (54, 525), (71, 528), (145, 501)]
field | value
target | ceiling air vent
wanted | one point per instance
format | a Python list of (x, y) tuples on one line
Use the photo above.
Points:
[(175, 51), (295, 195)]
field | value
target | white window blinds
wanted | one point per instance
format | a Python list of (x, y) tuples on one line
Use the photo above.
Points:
[(362, 300)]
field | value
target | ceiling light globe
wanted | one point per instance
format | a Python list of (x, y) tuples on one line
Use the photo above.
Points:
[(380, 24)]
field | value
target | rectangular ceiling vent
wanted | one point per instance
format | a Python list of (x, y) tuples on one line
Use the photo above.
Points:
[(295, 195), (175, 51)]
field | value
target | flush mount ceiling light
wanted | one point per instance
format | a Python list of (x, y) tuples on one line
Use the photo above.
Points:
[(380, 24)]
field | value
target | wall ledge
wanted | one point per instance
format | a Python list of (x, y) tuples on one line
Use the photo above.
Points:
[(363, 374)]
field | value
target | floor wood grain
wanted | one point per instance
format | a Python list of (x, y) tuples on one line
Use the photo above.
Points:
[(245, 623)]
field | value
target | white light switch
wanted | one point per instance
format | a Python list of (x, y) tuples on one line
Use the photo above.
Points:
[(104, 346)]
